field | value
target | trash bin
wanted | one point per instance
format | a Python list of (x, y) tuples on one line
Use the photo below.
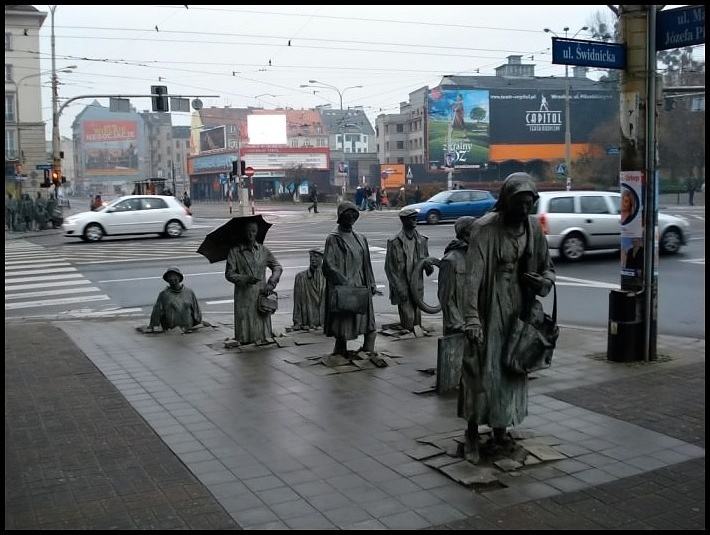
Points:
[(624, 332)]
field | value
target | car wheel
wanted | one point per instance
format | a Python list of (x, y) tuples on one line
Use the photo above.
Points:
[(671, 241), (572, 247), (93, 232), (173, 229), (433, 217)]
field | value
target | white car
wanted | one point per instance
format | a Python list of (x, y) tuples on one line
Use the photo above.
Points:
[(131, 214), (579, 221)]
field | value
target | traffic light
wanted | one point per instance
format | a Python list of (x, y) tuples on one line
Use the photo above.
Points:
[(56, 176), (239, 169), (160, 103), (244, 168)]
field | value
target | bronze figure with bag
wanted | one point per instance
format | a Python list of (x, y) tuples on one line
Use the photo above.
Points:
[(532, 339), (352, 299)]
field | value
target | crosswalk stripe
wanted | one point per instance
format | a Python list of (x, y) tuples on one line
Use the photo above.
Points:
[(43, 278), (52, 302), (47, 284), (63, 291), (45, 271), (35, 263)]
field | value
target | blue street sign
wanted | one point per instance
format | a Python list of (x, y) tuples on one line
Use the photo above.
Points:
[(676, 28), (222, 178), (43, 166), (588, 53), (561, 169)]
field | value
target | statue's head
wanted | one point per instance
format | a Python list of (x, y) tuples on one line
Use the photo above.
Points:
[(408, 217), (347, 214), (517, 197), (316, 259), (173, 276), (463, 227), (250, 232)]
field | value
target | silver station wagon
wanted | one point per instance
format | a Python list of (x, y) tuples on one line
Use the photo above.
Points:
[(579, 221)]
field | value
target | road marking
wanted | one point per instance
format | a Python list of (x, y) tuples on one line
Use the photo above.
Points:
[(219, 302), (46, 285), (45, 293), (699, 261), (52, 302), (45, 271), (701, 218), (45, 278), (23, 265), (573, 281)]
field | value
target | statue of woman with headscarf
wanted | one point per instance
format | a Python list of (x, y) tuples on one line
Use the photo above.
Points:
[(508, 264), (346, 263)]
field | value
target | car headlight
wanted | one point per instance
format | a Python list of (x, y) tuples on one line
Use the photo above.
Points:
[(417, 209)]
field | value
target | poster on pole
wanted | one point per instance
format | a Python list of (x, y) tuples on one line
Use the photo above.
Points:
[(631, 219)]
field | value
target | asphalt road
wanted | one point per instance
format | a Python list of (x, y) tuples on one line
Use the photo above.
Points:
[(127, 271)]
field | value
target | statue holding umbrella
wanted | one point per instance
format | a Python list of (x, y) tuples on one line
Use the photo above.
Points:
[(240, 241)]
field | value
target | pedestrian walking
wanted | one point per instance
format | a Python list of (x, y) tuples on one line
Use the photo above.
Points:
[(314, 200), (417, 195), (11, 212)]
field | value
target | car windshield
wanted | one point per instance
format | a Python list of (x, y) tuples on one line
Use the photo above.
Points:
[(440, 197)]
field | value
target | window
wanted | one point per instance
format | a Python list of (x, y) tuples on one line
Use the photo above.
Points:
[(11, 143), (187, 144), (8, 41), (562, 205), (338, 139), (129, 205), (400, 128), (10, 108), (593, 205), (153, 204), (459, 196), (8, 72), (616, 203), (478, 195), (400, 144)]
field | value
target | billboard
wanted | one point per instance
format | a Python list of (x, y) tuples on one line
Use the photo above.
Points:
[(109, 147), (213, 139), (537, 116), (282, 158), (267, 129), (392, 175), (459, 122)]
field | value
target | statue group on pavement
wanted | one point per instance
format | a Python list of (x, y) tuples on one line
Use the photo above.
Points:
[(254, 297), (508, 264), (24, 214), (350, 284), (404, 251), (308, 291), (176, 306)]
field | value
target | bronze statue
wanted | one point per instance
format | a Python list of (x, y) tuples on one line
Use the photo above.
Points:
[(308, 290), (508, 263), (452, 277), (40, 212), (350, 284), (246, 269), (176, 306), (11, 208), (403, 252)]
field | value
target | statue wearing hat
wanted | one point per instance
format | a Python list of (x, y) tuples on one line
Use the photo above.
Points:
[(350, 284), (308, 290), (176, 306), (403, 253)]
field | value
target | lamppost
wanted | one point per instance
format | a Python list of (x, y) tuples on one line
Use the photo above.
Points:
[(323, 85), (568, 135), (17, 85)]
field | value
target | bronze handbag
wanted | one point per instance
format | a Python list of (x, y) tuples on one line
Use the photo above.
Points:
[(352, 299), (268, 304), (532, 339)]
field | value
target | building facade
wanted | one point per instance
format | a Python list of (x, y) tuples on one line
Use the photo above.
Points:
[(24, 128)]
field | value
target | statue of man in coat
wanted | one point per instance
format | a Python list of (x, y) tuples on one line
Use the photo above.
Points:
[(176, 306), (452, 277), (403, 252), (308, 290)]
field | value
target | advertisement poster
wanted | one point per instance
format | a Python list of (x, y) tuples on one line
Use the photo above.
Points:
[(631, 220), (213, 139), (459, 122), (110, 147), (392, 175)]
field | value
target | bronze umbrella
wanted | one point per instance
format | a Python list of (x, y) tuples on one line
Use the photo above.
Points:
[(216, 245)]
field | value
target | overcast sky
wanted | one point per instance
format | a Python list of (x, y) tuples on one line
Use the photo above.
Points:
[(241, 52)]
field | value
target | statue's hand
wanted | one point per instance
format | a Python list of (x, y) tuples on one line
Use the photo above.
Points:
[(475, 334), (537, 283), (374, 290), (253, 280)]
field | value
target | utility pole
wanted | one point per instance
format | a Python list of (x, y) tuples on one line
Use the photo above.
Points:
[(638, 162), (56, 160)]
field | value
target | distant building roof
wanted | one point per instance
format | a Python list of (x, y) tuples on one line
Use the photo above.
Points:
[(333, 120), (499, 82), (181, 132)]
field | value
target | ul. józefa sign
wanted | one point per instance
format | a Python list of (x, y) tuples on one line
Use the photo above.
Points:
[(677, 28)]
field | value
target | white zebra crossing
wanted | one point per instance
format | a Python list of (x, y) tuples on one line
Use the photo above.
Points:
[(51, 279)]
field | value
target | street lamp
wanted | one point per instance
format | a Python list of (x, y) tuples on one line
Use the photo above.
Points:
[(17, 85), (568, 135), (323, 85)]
